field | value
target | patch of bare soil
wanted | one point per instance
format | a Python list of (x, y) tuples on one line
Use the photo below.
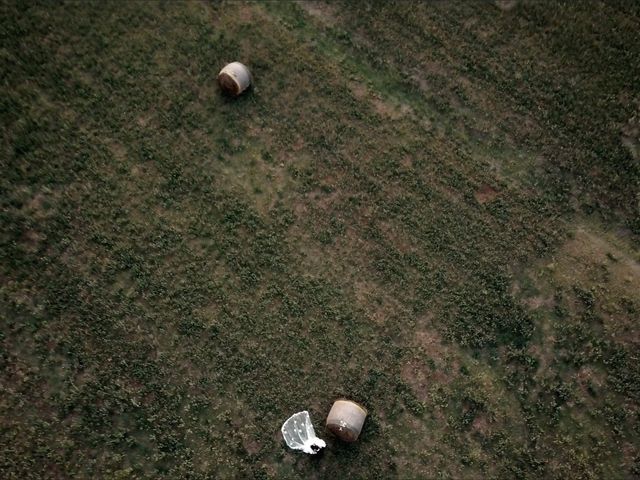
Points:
[(586, 377), (480, 424), (144, 120), (358, 89), (31, 240), (244, 12), (418, 378), (589, 254), (383, 107), (609, 268), (539, 301), (431, 342), (429, 68), (485, 194), (421, 376), (322, 11), (323, 200), (630, 137), (390, 110), (397, 236), (118, 150), (506, 5), (630, 453), (40, 205), (251, 446)]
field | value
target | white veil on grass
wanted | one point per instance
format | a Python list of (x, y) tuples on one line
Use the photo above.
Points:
[(299, 434)]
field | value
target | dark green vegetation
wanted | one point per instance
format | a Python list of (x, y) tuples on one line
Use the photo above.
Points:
[(431, 209)]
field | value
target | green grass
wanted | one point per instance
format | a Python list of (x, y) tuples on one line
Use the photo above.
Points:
[(431, 209)]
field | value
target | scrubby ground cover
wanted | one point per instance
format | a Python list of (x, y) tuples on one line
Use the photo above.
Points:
[(429, 208)]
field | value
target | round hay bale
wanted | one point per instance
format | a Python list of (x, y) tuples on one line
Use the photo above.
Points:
[(234, 78), (345, 420)]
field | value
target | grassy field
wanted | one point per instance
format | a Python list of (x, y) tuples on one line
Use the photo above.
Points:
[(432, 209)]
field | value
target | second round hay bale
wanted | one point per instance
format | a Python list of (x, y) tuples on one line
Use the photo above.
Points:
[(234, 78), (345, 420)]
